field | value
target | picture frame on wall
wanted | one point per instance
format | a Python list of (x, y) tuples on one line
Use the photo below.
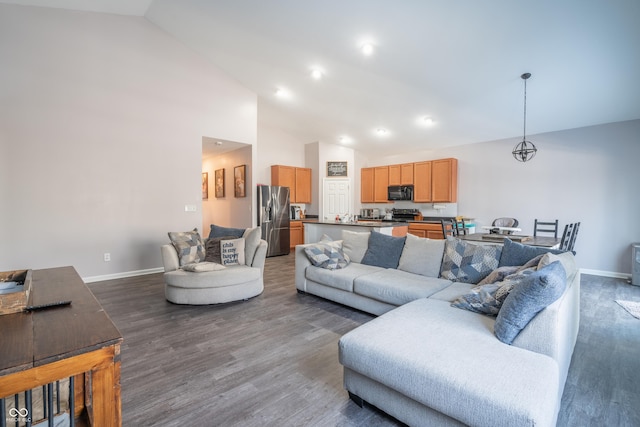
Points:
[(337, 169), (205, 185), (239, 181), (219, 183)]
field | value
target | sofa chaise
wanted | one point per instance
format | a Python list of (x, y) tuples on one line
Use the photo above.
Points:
[(426, 361)]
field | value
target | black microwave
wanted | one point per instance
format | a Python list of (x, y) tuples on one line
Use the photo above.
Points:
[(400, 192)]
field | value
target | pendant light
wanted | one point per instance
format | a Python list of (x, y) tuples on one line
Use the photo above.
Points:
[(525, 150)]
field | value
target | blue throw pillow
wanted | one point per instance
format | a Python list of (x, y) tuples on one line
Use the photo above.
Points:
[(383, 251), (515, 254), (540, 289), (217, 231)]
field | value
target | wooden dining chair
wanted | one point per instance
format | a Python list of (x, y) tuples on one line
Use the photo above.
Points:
[(449, 228), (569, 236), (461, 228), (545, 227)]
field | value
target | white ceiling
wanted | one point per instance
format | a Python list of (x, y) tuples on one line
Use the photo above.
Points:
[(458, 62)]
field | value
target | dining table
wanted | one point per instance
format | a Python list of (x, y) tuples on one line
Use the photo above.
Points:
[(541, 241)]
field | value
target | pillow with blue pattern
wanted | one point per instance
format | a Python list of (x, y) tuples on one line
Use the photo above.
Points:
[(468, 263), (327, 254)]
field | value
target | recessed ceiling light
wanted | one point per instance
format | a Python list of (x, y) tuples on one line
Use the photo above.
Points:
[(282, 93), (428, 121), (218, 143), (381, 132), (344, 139), (317, 73), (367, 49)]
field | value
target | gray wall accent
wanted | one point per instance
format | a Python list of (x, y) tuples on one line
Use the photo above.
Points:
[(101, 125), (588, 174)]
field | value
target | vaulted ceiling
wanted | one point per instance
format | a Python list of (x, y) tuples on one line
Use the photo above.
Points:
[(458, 63)]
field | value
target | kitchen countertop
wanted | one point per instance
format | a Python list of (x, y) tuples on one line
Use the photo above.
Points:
[(367, 223)]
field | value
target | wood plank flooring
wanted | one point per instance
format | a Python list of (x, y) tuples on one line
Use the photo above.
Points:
[(273, 360)]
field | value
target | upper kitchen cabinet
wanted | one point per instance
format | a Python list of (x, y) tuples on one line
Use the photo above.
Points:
[(401, 174), (435, 181), (303, 185), (380, 184), (444, 181), (422, 182), (366, 185), (297, 179)]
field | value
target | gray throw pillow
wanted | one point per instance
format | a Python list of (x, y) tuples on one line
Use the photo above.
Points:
[(189, 246), (355, 244), (421, 256), (383, 251), (466, 262), (514, 253), (217, 231), (212, 249), (528, 298)]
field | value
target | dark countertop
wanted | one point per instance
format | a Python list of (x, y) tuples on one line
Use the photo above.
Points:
[(362, 223)]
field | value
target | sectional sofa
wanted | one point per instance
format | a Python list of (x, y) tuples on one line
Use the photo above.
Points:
[(428, 362)]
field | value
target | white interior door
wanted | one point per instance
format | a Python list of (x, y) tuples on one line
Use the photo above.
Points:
[(335, 198)]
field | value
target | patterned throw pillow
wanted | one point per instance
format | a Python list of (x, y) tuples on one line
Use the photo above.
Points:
[(327, 254), (468, 263), (189, 246), (232, 252)]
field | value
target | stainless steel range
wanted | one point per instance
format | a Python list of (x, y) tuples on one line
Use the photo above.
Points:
[(404, 215)]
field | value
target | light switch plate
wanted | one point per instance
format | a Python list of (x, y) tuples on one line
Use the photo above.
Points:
[(190, 208)]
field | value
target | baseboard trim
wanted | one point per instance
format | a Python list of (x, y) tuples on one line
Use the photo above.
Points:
[(122, 275), (603, 273)]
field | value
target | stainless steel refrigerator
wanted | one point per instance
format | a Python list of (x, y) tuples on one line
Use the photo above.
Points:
[(273, 218)]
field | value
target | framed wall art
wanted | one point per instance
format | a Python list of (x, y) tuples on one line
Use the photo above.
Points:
[(239, 183), (205, 185), (219, 183), (337, 169)]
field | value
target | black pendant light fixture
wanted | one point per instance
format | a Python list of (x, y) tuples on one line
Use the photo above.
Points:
[(525, 150)]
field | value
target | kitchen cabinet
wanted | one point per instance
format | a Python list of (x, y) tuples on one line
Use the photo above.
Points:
[(401, 174), (428, 230), (444, 181), (366, 185), (297, 179), (296, 234), (422, 182), (380, 184), (303, 185)]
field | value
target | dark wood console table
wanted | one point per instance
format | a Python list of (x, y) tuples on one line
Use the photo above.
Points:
[(77, 341)]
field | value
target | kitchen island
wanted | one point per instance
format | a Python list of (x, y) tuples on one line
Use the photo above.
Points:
[(313, 231)]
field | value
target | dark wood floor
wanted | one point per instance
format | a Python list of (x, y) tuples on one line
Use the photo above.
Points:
[(272, 360)]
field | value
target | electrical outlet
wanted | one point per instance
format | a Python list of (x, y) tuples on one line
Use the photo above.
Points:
[(107, 257)]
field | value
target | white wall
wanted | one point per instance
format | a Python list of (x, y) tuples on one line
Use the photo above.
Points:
[(590, 175), (101, 125), (228, 211), (276, 147)]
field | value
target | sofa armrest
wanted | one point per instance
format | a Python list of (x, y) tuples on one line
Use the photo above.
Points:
[(169, 258), (260, 255), (302, 262)]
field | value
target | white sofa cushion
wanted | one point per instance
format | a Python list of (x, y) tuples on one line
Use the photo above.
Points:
[(355, 244), (340, 279), (229, 276), (397, 287), (421, 256)]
